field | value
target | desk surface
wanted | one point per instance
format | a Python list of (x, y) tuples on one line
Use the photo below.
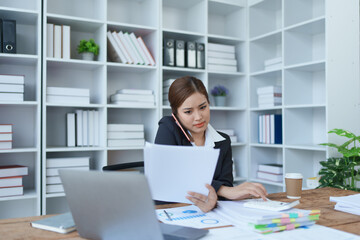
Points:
[(19, 228)]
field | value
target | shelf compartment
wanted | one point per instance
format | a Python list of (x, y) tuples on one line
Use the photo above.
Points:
[(306, 162), (254, 126), (186, 15), (19, 207), (305, 85), (77, 75), (55, 204), (237, 86), (307, 124), (93, 9), (240, 156), (265, 16), (31, 5), (308, 41), (222, 18), (264, 49), (273, 78), (125, 156), (140, 12), (298, 11)]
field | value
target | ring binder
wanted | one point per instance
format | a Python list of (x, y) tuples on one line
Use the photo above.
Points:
[(190, 55), (180, 53), (9, 36), (200, 55), (169, 52)]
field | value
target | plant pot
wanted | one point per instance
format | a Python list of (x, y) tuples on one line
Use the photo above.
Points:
[(220, 101), (88, 56)]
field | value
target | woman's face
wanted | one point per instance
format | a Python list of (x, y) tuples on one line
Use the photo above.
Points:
[(194, 113)]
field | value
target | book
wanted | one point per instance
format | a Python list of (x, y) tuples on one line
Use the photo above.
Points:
[(11, 88), (223, 55), (268, 89), (63, 91), (221, 47), (15, 97), (125, 127), (11, 191), (90, 128), (233, 139), (222, 61), (126, 142), (6, 145), (135, 91), (49, 40), (123, 49), (70, 130), (79, 127), (132, 50), (222, 68), (5, 136), (67, 162), (271, 168), (132, 97), (119, 48), (113, 51), (15, 181), (229, 132), (57, 41), (128, 47), (125, 135), (85, 128), (54, 188), (65, 42), (62, 223), (133, 104), (96, 128), (138, 48), (53, 180), (146, 50), (13, 170), (276, 129), (67, 99), (6, 128), (270, 176), (12, 79), (55, 171)]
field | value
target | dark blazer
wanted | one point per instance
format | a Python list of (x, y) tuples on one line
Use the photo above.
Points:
[(170, 134)]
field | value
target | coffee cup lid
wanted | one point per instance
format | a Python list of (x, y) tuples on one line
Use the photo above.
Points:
[(293, 175)]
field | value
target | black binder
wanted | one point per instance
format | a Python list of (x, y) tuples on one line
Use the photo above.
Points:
[(190, 55), (169, 52), (200, 55), (9, 36), (180, 53)]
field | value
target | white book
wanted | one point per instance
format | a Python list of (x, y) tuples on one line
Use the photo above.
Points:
[(118, 48), (125, 127), (133, 104), (85, 129), (49, 40), (125, 135), (96, 128), (222, 61), (13, 170), (67, 99), (221, 47), (70, 129), (11, 191), (267, 118), (67, 162), (12, 88), (12, 79), (261, 129), (5, 145), (132, 97), (91, 127), (146, 51), (270, 95), (57, 41), (270, 176), (225, 55), (135, 91), (269, 99), (54, 188), (65, 42), (268, 105), (112, 49), (273, 67), (268, 89), (63, 91), (271, 168), (273, 61), (272, 129), (79, 127), (53, 180), (126, 142), (5, 136), (222, 68), (138, 48), (123, 48), (55, 171), (134, 49), (230, 132), (14, 97), (11, 181), (5, 128), (233, 139), (129, 47)]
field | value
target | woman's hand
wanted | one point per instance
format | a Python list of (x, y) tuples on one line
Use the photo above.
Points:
[(205, 203), (244, 190)]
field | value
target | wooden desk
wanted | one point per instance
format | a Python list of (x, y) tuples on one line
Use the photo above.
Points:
[(19, 228)]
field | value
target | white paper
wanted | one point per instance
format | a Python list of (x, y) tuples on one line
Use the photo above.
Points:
[(172, 171), (349, 204)]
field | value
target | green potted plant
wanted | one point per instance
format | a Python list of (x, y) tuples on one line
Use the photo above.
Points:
[(88, 49), (219, 92), (342, 172)]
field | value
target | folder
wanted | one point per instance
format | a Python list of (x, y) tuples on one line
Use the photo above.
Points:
[(9, 36), (190, 55), (200, 55), (180, 53), (169, 52)]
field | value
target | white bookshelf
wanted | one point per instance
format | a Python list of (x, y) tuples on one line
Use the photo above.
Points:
[(317, 96), (25, 116)]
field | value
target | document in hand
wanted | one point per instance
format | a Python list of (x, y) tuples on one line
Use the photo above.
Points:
[(172, 171)]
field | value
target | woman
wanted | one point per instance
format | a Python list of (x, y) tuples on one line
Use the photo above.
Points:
[(189, 126)]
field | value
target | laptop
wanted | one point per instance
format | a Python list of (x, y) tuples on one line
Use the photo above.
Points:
[(117, 205)]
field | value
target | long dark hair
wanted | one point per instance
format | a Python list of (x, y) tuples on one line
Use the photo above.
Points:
[(184, 87)]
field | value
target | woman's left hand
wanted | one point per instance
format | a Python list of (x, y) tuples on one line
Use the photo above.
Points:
[(205, 203)]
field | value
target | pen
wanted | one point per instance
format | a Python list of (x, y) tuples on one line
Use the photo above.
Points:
[(167, 215)]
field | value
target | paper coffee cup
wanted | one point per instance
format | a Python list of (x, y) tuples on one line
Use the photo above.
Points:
[(293, 183)]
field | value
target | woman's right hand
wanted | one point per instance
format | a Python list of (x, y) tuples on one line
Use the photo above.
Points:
[(242, 191)]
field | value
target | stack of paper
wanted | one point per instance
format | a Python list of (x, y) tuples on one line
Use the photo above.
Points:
[(133, 98), (221, 57), (11, 180), (269, 96), (125, 135), (349, 204), (273, 64), (6, 136), (271, 172), (166, 85), (12, 88), (64, 95)]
